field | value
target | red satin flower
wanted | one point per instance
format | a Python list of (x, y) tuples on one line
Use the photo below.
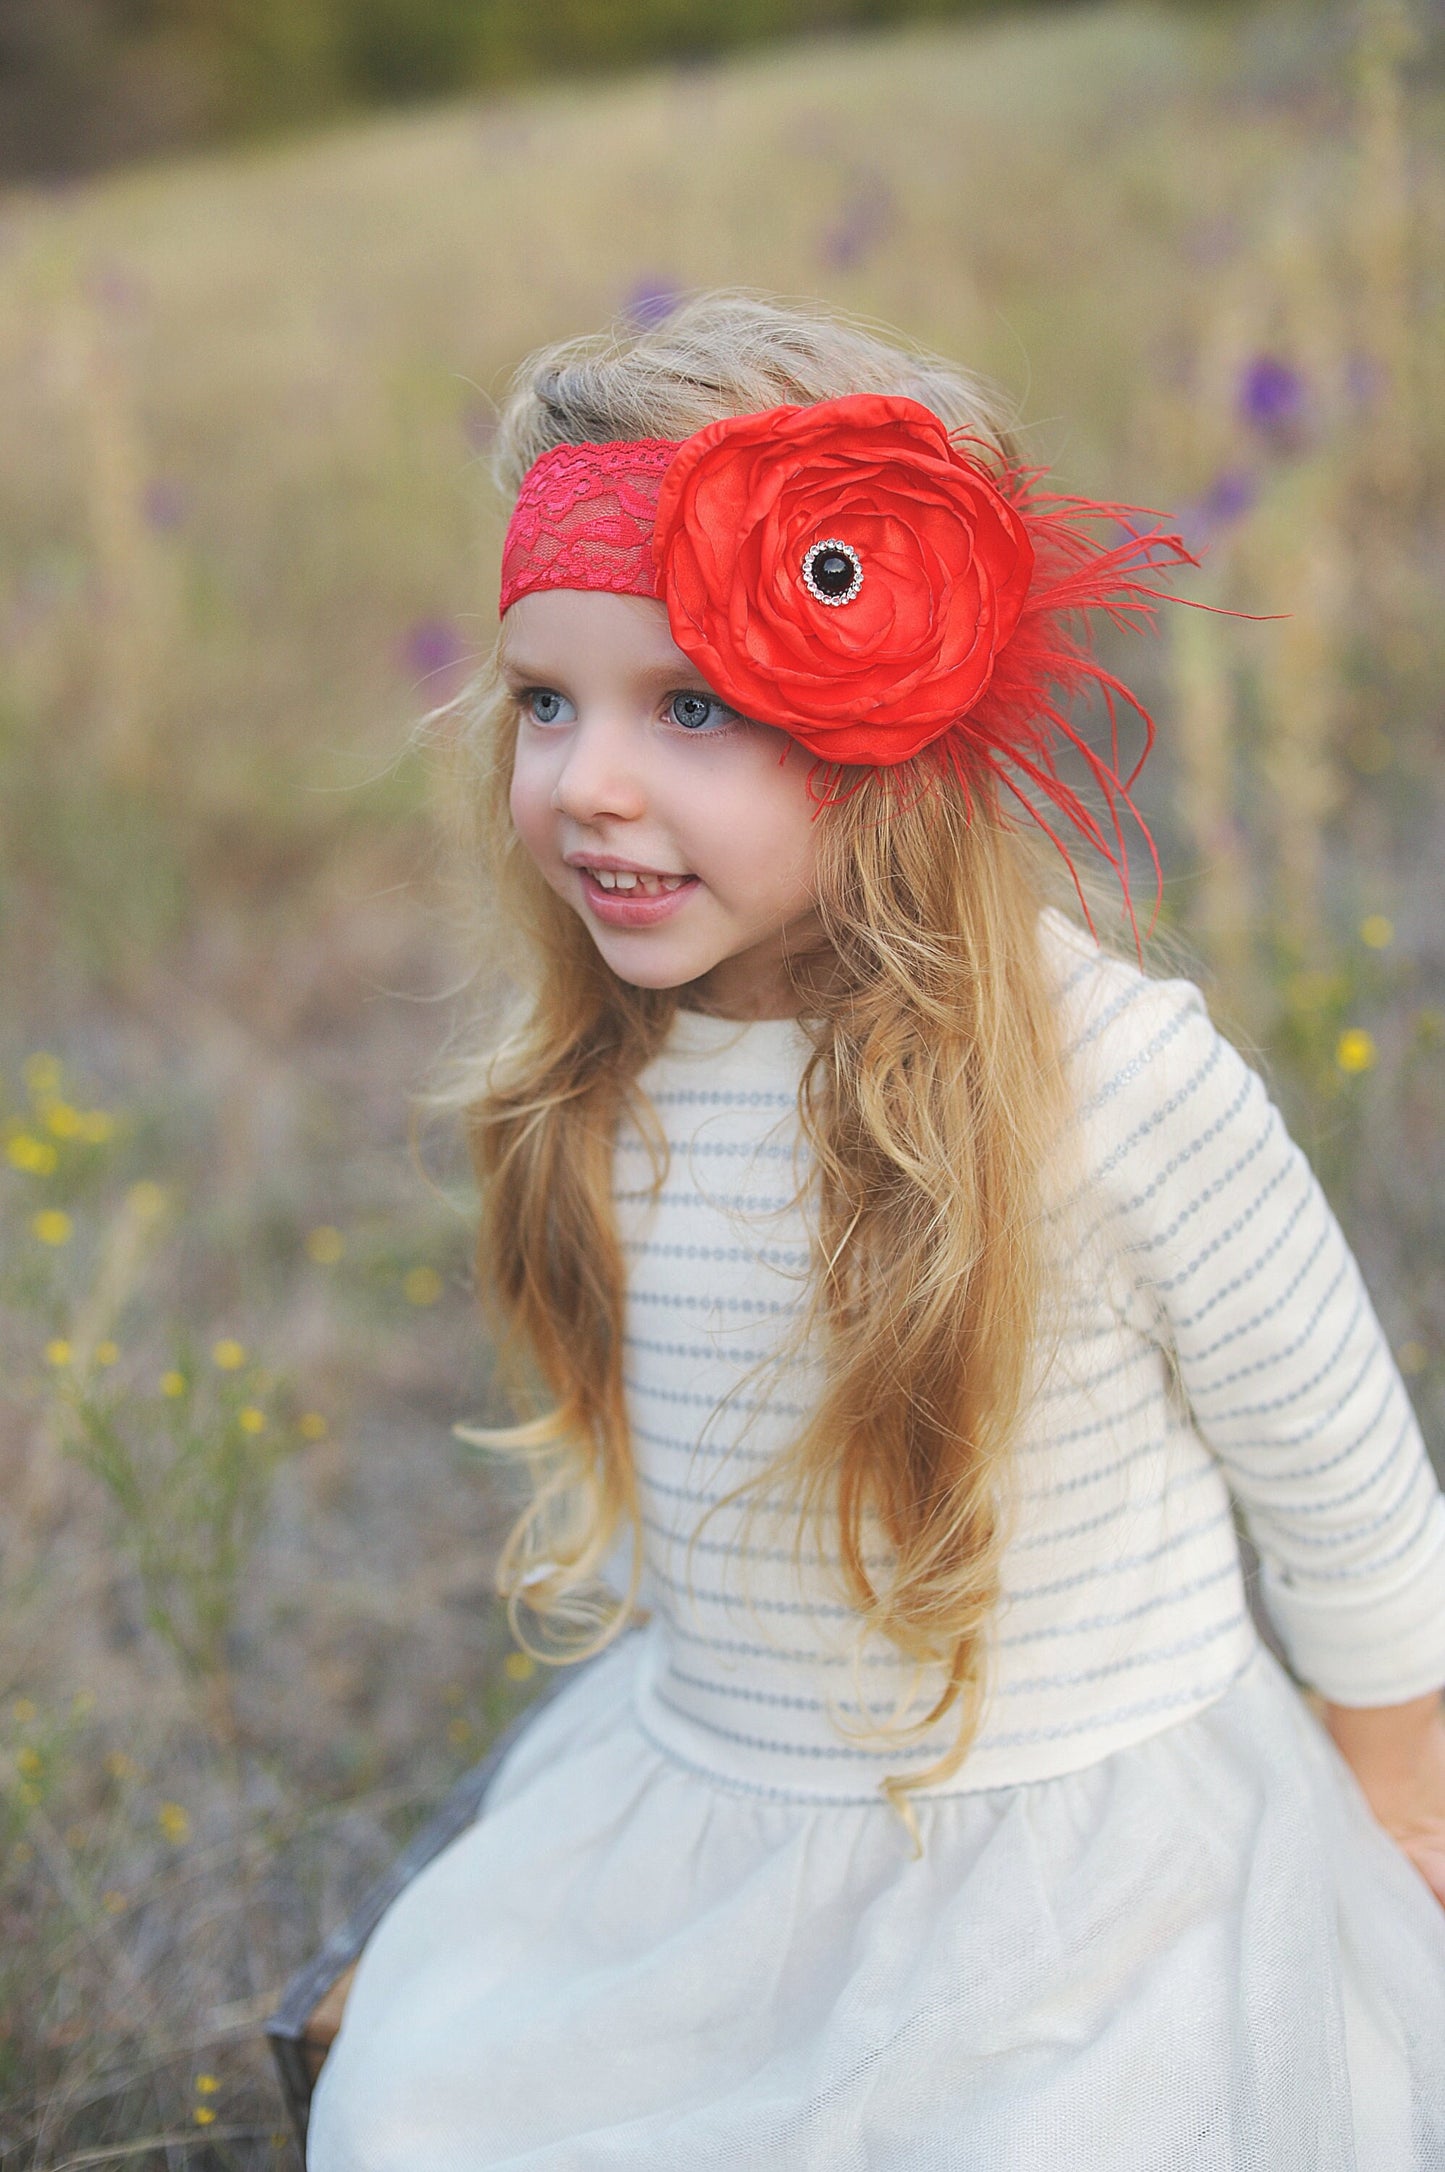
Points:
[(875, 648)]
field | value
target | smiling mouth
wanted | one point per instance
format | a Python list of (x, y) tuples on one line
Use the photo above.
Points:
[(631, 882)]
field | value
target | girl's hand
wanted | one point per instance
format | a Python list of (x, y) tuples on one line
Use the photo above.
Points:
[(1397, 1753)]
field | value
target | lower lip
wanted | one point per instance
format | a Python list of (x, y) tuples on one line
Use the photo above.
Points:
[(630, 909)]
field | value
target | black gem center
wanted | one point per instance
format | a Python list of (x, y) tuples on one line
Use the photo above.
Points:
[(833, 571)]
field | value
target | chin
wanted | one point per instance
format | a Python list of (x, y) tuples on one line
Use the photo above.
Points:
[(653, 973)]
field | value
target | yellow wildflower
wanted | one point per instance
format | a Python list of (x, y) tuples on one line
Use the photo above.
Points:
[(36, 1156), (519, 1666), (28, 1761), (312, 1426), (325, 1245), (230, 1356), (1355, 1050), (173, 1384), (207, 2085), (29, 1794), (62, 1119), (423, 1286), (52, 1226), (58, 1351), (174, 1823), (106, 1353), (96, 1126), (1377, 931), (251, 1420), (203, 2115)]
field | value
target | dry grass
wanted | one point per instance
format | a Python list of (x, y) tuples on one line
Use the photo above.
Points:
[(245, 540)]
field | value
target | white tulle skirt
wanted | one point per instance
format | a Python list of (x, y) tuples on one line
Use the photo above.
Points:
[(1200, 1953)]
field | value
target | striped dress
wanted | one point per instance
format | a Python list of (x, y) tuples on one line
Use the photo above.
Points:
[(1149, 1922)]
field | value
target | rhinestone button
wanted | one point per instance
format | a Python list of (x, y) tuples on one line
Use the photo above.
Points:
[(832, 571)]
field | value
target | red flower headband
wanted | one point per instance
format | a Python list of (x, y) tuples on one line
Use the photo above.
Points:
[(853, 575)]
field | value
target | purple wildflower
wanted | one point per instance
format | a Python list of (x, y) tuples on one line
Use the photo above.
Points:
[(865, 219), (116, 288), (650, 301), (433, 650), (164, 504), (1273, 398), (479, 425), (1231, 495)]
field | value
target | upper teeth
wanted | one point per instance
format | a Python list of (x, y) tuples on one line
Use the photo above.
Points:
[(625, 878)]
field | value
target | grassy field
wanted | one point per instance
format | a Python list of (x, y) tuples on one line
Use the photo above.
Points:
[(246, 539)]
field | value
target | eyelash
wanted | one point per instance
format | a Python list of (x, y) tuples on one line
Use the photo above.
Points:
[(524, 696)]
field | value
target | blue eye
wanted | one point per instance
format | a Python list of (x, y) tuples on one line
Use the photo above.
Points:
[(697, 712), (544, 705)]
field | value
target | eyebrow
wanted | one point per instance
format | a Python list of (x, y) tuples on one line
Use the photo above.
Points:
[(662, 674)]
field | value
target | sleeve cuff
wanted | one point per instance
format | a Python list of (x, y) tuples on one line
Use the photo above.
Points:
[(1370, 1648)]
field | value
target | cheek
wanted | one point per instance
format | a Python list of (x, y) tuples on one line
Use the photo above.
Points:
[(772, 831), (530, 802)]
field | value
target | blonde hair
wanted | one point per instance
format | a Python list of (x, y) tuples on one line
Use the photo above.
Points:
[(932, 1099)]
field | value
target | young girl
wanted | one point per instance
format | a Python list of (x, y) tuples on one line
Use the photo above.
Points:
[(914, 1290)]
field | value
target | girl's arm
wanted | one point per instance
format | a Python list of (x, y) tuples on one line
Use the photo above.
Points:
[(1397, 1753), (1241, 1268)]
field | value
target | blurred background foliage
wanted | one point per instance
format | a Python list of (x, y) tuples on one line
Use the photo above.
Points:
[(84, 83), (247, 539)]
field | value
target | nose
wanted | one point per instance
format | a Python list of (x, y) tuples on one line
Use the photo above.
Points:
[(601, 773)]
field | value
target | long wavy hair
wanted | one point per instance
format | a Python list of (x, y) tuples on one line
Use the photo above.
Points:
[(932, 1099)]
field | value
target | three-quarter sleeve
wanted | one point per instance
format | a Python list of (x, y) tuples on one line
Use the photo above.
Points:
[(1227, 1238)]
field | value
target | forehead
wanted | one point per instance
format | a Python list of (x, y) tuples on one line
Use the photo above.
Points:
[(570, 628)]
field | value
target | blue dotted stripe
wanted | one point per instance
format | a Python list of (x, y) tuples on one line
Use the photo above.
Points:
[(794, 1256), (1123, 1152), (729, 1203), (1273, 1444), (753, 1405), (1133, 1069), (1275, 1404), (1110, 1423), (701, 1352), (1277, 1354), (681, 1302), (1125, 1617), (1429, 1515), (1355, 1533), (1181, 1323), (704, 1097), (1026, 1594), (1197, 1695), (1283, 1512), (784, 1555), (1227, 1238), (1064, 1534)]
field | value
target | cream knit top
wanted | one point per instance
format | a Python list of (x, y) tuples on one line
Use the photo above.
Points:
[(1217, 1347)]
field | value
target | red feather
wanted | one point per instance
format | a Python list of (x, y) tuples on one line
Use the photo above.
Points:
[(1047, 669)]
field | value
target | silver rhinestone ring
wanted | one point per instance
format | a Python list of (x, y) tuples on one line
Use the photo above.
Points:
[(825, 579)]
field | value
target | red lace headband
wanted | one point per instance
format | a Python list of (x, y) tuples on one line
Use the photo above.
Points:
[(857, 577)]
